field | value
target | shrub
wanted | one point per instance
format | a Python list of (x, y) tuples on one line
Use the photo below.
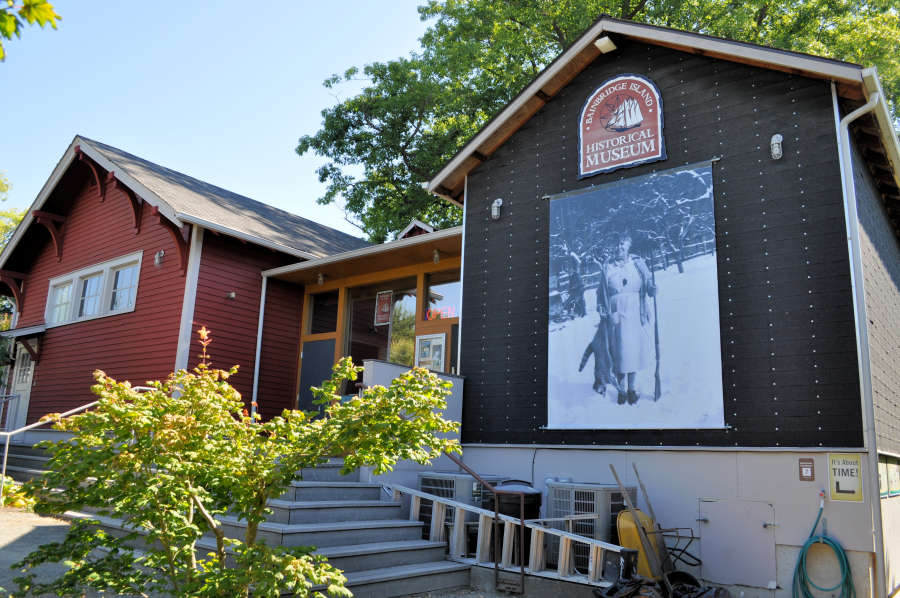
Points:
[(171, 460)]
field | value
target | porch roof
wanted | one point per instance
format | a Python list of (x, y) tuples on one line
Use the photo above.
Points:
[(395, 254)]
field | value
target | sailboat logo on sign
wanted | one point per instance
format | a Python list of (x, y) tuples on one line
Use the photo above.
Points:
[(621, 125)]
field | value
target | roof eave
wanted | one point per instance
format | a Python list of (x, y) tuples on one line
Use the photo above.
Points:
[(365, 251), (885, 122), (207, 224)]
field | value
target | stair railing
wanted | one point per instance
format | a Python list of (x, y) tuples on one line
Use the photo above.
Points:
[(47, 419), (6, 410), (488, 531)]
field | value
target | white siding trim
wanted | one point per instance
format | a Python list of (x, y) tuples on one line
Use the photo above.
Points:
[(185, 331), (259, 334)]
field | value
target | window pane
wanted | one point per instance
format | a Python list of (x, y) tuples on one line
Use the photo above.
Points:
[(403, 328), (89, 304), (59, 302), (324, 312), (124, 287), (444, 294)]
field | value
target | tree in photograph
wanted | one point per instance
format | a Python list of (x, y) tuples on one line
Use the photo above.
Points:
[(415, 113), (171, 461), (14, 16)]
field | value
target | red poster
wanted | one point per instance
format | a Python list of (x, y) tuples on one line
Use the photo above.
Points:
[(621, 125), (383, 303)]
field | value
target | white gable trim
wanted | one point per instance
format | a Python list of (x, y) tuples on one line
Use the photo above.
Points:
[(415, 222), (61, 167)]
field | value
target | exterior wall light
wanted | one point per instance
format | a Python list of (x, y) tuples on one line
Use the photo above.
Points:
[(231, 295), (495, 209), (321, 279), (158, 258), (436, 256), (775, 149)]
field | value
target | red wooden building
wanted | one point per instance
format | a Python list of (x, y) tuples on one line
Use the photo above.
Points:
[(119, 260)]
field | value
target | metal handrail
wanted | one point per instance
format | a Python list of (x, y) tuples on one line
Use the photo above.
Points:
[(41, 422), (485, 484), (4, 399)]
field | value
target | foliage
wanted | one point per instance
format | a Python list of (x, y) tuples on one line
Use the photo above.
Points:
[(14, 495), (414, 113), (403, 335), (173, 460), (13, 18)]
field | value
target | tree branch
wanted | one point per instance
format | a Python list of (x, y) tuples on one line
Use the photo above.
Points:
[(214, 526)]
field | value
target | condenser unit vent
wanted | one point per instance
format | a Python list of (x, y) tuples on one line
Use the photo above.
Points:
[(460, 487), (565, 499)]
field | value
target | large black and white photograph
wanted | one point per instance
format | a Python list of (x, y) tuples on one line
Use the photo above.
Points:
[(634, 306)]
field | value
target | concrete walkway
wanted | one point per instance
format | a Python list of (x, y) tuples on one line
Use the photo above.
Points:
[(20, 533)]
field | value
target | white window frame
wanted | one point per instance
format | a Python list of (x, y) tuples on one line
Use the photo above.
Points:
[(107, 271)]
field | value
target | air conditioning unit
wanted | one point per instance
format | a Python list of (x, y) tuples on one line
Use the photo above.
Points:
[(460, 487), (571, 498)]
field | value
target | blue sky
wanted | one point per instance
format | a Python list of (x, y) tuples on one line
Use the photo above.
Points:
[(218, 90)]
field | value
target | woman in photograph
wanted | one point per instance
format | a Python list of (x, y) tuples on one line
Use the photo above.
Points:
[(622, 294)]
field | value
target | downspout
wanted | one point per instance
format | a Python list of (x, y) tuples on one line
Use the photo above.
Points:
[(857, 283), (259, 333)]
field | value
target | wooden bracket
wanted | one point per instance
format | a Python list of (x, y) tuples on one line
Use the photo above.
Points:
[(14, 281), (90, 164), (34, 352), (179, 234), (137, 204), (54, 224)]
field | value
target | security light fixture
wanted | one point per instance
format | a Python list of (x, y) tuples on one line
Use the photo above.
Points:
[(436, 256), (775, 149), (495, 209), (605, 45), (321, 278), (158, 258)]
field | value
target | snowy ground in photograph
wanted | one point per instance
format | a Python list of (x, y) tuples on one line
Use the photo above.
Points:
[(690, 361)]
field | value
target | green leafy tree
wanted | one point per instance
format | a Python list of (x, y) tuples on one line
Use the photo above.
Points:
[(14, 16), (171, 461), (415, 112)]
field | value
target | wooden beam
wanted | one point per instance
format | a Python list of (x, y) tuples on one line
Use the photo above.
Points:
[(12, 280), (90, 164), (180, 236), (137, 203), (54, 224), (34, 352)]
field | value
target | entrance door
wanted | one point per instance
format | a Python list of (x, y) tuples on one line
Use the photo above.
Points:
[(21, 385), (315, 366)]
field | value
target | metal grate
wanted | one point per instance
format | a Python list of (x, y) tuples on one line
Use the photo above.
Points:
[(567, 499)]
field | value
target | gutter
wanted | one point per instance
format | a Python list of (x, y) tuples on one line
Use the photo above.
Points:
[(857, 283)]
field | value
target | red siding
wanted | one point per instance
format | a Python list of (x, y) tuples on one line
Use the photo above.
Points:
[(136, 346), (280, 348), (228, 265)]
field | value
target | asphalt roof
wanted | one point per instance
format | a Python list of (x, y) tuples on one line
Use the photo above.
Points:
[(199, 199)]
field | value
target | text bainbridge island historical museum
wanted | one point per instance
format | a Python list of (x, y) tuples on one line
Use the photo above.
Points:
[(621, 125)]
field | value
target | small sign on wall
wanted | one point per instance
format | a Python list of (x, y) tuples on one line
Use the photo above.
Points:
[(845, 477), (807, 470), (384, 300)]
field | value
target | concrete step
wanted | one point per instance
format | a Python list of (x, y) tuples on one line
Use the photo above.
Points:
[(380, 555), (285, 511), (328, 534), (26, 449), (302, 491), (26, 460), (328, 472), (23, 474), (404, 580)]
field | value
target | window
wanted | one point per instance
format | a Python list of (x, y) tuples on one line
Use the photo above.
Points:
[(102, 290), (58, 306), (89, 304), (124, 287)]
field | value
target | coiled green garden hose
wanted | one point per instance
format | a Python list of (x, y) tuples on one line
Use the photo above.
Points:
[(802, 582)]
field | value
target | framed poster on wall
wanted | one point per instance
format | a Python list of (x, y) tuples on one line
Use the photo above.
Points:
[(384, 300), (633, 326), (430, 351)]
